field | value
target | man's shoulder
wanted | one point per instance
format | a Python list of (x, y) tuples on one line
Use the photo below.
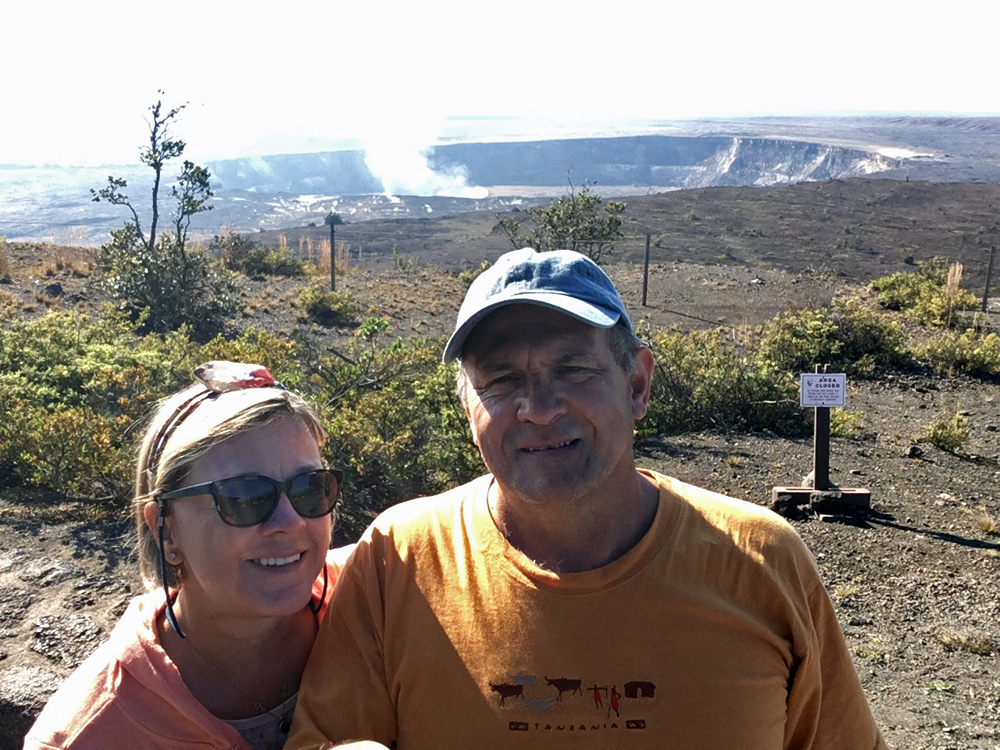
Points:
[(736, 533), (742, 520), (429, 514)]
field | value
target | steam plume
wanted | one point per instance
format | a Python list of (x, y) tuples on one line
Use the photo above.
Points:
[(399, 160)]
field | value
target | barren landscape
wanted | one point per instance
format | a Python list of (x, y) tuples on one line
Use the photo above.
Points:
[(914, 581)]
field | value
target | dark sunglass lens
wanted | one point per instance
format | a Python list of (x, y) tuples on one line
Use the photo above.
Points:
[(245, 501), (313, 494)]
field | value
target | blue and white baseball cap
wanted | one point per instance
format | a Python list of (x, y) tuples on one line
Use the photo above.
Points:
[(562, 280)]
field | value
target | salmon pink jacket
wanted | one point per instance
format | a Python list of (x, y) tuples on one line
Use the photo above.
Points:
[(128, 694)]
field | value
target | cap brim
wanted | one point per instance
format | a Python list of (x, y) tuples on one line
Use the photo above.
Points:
[(587, 312)]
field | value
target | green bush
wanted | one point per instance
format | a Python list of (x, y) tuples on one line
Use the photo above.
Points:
[(65, 359), (328, 308), (178, 286), (71, 450), (903, 290), (947, 433), (930, 296), (849, 336), (396, 425), (571, 222), (69, 390), (704, 381), (75, 392), (970, 353), (241, 253), (471, 274), (846, 424)]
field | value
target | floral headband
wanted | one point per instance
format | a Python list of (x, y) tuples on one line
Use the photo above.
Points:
[(218, 377)]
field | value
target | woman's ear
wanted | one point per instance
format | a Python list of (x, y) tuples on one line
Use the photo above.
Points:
[(151, 515)]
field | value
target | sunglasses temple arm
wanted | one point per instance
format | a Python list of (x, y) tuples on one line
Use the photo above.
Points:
[(316, 606), (163, 575)]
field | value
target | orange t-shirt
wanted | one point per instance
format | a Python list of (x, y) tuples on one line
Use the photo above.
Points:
[(714, 631)]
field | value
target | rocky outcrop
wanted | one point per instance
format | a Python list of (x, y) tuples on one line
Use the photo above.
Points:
[(23, 692), (758, 161), (54, 611)]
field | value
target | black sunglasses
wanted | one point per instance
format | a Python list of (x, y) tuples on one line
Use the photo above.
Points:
[(250, 499)]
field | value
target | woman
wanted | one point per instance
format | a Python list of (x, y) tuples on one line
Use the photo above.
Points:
[(233, 509)]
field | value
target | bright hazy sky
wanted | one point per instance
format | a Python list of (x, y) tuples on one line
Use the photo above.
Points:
[(76, 78)]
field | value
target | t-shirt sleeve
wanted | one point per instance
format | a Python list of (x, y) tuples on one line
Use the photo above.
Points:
[(827, 707), (344, 694)]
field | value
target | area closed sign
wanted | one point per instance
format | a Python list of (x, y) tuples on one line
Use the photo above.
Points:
[(822, 389)]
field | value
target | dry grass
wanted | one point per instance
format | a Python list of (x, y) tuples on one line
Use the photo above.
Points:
[(306, 247), (323, 258), (980, 645), (48, 300), (954, 279), (343, 258), (63, 262), (874, 650), (4, 259), (951, 288), (985, 522), (845, 592)]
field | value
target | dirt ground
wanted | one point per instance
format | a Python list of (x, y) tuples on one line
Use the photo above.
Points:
[(914, 582)]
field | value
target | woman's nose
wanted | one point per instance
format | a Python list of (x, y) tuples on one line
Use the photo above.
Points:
[(284, 516)]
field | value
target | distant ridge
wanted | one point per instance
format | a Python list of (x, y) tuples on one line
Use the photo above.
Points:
[(651, 160)]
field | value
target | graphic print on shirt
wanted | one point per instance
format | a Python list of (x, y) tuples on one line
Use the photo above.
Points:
[(572, 704)]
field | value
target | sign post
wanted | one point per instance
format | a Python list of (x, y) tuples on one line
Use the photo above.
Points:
[(821, 391)]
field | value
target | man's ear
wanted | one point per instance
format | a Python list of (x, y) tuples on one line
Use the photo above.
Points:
[(463, 396), (641, 381), (472, 425)]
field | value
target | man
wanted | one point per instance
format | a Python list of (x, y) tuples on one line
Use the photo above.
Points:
[(567, 598)]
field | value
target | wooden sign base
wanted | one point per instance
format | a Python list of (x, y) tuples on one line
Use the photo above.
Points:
[(835, 501)]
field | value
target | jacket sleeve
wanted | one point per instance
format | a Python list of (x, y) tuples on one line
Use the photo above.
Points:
[(344, 694), (827, 707)]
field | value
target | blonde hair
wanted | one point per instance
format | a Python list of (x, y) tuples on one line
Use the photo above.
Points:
[(213, 420)]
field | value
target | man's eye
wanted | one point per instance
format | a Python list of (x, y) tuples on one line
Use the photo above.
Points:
[(498, 380)]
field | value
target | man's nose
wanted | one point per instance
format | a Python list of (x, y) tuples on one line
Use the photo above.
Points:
[(540, 402)]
